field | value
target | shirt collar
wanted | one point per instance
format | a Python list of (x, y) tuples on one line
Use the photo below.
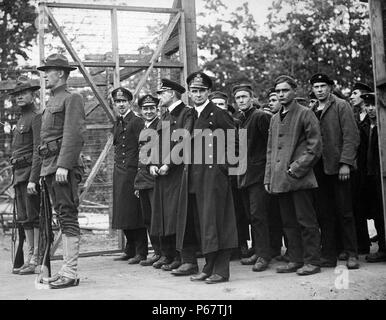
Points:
[(148, 123), (174, 105), (124, 116), (201, 108)]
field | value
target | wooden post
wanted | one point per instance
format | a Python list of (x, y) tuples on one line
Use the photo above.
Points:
[(114, 37), (379, 67), (183, 57), (189, 8), (42, 21)]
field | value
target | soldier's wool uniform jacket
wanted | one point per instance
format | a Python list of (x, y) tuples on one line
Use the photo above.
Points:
[(340, 135), (143, 179), (294, 142), (26, 139), (126, 206), (212, 187), (167, 187), (256, 122), (63, 129)]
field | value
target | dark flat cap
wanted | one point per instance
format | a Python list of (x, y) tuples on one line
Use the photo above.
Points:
[(56, 61), (242, 87), (284, 78), (147, 100), (121, 93), (271, 91), (362, 86), (321, 77), (199, 80), (369, 98), (218, 95), (167, 84), (25, 85)]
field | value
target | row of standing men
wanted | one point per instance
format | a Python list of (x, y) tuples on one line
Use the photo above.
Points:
[(198, 207)]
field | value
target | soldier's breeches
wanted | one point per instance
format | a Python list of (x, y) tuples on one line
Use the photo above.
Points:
[(27, 206), (65, 202)]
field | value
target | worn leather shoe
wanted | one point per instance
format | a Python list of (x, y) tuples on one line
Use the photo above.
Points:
[(169, 267), (249, 261), (307, 270), (379, 256), (343, 256), (352, 263), (163, 260), (289, 267), (199, 277), (122, 257), (48, 280), (185, 269), (326, 263), (137, 259), (30, 269), (260, 265), (150, 261), (64, 282), (17, 270), (216, 278)]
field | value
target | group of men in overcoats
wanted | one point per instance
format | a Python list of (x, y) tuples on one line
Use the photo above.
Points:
[(173, 181)]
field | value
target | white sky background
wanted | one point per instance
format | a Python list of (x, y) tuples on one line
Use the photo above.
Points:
[(259, 8)]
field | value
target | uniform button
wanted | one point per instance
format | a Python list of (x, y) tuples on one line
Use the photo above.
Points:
[(174, 130), (123, 153), (210, 122), (211, 113), (210, 156), (123, 137), (123, 145), (123, 161), (124, 129), (210, 167), (211, 145), (210, 134), (138, 169)]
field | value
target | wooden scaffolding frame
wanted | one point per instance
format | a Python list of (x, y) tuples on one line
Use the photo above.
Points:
[(180, 35)]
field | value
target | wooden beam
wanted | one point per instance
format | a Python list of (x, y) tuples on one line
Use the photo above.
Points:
[(82, 68), (379, 67), (114, 38), (189, 8), (96, 167), (138, 64), (183, 56), (157, 53), (109, 7), (41, 24)]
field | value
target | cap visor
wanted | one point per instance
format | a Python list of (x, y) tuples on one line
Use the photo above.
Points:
[(43, 68)]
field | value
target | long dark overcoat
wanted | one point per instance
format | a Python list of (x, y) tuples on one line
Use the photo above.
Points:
[(212, 186), (167, 187), (126, 206)]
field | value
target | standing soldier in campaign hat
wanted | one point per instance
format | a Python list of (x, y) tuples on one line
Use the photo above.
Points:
[(360, 175), (206, 211), (127, 214), (167, 173), (61, 141), (26, 164), (144, 181), (340, 140), (255, 198)]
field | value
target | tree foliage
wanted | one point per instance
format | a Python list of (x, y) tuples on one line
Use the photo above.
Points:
[(305, 37)]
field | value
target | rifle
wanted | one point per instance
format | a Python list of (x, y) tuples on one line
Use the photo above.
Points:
[(18, 257), (46, 235)]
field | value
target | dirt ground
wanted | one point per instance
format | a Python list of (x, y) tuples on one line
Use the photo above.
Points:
[(103, 278)]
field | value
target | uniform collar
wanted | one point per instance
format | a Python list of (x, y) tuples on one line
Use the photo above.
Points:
[(148, 123), (174, 105), (61, 88), (125, 115), (201, 108)]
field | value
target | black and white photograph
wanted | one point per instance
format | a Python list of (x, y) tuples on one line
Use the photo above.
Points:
[(190, 155)]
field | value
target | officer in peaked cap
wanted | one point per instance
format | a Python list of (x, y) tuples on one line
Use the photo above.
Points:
[(199, 80), (127, 214), (167, 84), (121, 93), (26, 164), (144, 181), (362, 86)]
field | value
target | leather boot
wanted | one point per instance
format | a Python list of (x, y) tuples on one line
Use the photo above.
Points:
[(68, 273), (30, 264)]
